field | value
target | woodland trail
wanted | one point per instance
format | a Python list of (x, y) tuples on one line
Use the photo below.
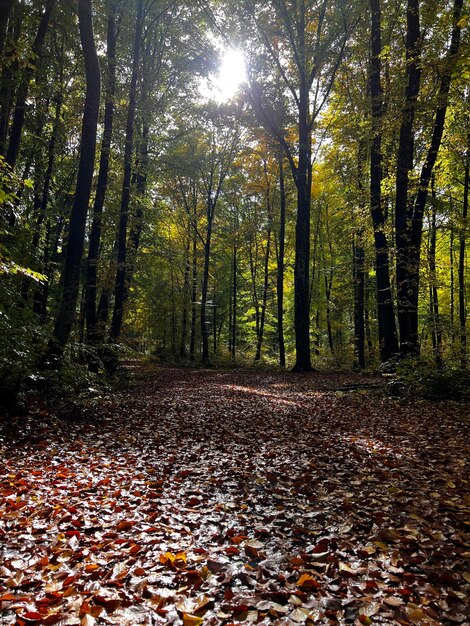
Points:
[(220, 497)]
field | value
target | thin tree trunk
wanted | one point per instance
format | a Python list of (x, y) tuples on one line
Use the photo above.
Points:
[(205, 281), (76, 236), (358, 275), (234, 303), (388, 340), (9, 75), (92, 334), (192, 338), (434, 300), (264, 297), (184, 315), (6, 8), (214, 323), (280, 267), (22, 94), (462, 244), (121, 272)]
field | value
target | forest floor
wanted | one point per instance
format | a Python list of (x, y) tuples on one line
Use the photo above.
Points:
[(220, 497)]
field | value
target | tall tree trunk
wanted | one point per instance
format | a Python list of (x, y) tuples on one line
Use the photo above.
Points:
[(184, 314), (280, 266), (42, 214), (358, 276), (233, 329), (192, 337), (434, 300), (9, 75), (388, 340), (302, 241), (22, 94), (462, 244), (6, 7), (415, 226), (409, 213), (121, 272), (93, 335), (76, 236), (403, 204), (264, 297), (205, 280)]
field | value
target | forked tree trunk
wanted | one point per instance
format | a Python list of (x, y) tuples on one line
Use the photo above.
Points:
[(76, 237), (409, 213)]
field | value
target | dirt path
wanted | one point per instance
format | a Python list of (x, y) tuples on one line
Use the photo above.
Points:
[(207, 497)]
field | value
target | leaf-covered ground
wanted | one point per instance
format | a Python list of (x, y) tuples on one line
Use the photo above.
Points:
[(209, 497)]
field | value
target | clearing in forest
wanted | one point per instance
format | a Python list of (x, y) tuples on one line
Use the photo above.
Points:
[(220, 497)]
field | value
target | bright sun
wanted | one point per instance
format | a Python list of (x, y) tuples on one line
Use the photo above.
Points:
[(230, 76)]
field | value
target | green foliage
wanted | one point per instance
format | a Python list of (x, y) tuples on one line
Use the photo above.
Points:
[(419, 377)]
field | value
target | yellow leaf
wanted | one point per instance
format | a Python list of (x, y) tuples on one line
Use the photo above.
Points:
[(191, 620)]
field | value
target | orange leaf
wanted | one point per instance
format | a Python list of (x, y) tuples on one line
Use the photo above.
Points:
[(307, 582)]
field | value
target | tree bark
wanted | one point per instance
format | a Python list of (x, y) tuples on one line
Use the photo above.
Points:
[(6, 8), (462, 244), (358, 276), (280, 266), (434, 300), (76, 236), (121, 272), (184, 314), (264, 296), (388, 340), (408, 211), (92, 332), (205, 280), (22, 94), (233, 330)]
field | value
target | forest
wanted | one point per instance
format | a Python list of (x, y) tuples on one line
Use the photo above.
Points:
[(315, 215), (234, 288)]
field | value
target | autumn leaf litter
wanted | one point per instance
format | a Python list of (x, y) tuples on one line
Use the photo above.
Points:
[(220, 497)]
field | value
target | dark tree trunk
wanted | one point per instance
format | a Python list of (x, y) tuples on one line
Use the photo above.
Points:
[(388, 340), (184, 314), (93, 336), (214, 323), (280, 267), (403, 204), (233, 329), (302, 240), (42, 213), (462, 244), (264, 297), (205, 281), (6, 7), (434, 300), (22, 94), (76, 236), (358, 276), (409, 213), (121, 273), (9, 75), (192, 338)]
